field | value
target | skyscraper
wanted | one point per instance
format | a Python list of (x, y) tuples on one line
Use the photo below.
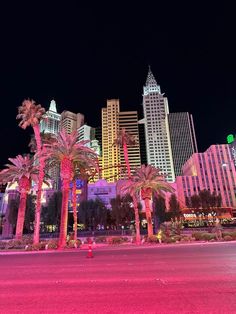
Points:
[(70, 121), (213, 170), (155, 109), (113, 120), (182, 138), (52, 121)]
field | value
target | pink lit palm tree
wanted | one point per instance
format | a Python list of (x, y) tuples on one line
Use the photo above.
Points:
[(125, 139), (31, 115), (65, 151), (84, 169), (146, 181), (21, 171), (129, 188)]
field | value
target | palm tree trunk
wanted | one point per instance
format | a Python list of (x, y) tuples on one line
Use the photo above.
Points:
[(148, 216), (74, 209), (21, 216), (126, 156), (64, 215), (137, 221), (66, 174), (40, 183)]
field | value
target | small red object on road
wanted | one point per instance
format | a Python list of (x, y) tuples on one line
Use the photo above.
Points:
[(90, 253)]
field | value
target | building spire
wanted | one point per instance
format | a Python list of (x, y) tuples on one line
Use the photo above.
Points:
[(151, 83), (53, 106)]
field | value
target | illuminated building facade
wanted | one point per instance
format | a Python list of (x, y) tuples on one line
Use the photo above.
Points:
[(70, 121), (113, 120), (182, 138), (102, 190), (213, 170), (110, 129), (87, 133), (155, 109), (52, 121)]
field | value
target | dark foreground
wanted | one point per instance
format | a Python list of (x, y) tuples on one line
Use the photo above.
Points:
[(198, 278)]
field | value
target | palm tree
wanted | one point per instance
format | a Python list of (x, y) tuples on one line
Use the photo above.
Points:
[(146, 181), (30, 115), (84, 169), (65, 151), (124, 139), (130, 188), (22, 171)]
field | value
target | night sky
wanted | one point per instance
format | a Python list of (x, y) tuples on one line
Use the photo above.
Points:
[(82, 55)]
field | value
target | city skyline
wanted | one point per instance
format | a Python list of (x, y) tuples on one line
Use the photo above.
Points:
[(81, 56)]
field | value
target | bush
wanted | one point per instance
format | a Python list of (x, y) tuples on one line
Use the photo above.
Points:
[(115, 240), (74, 243), (227, 238), (35, 247), (152, 239), (101, 239), (177, 237), (233, 235), (15, 244), (186, 239), (27, 239), (200, 236), (52, 244), (226, 233), (169, 240), (3, 245)]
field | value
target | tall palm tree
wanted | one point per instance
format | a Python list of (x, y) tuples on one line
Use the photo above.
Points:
[(84, 169), (146, 181), (65, 151), (31, 115), (129, 188), (125, 139), (22, 171)]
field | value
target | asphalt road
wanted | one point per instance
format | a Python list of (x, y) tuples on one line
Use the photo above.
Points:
[(196, 278)]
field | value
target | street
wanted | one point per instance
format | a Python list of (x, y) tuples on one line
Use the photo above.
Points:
[(191, 278)]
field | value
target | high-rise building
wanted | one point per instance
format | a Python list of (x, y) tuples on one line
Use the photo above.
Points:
[(182, 138), (113, 120), (142, 141), (155, 109), (70, 121), (213, 170), (87, 133), (110, 129), (51, 123)]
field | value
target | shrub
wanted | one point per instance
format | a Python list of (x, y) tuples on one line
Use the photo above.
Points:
[(35, 247), (199, 236), (169, 240), (101, 239), (52, 244), (226, 233), (186, 239), (177, 237), (15, 244), (233, 235), (27, 239), (115, 240), (74, 243), (152, 239), (228, 238), (3, 245)]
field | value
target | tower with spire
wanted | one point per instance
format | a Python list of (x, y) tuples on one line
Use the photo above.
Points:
[(52, 121), (156, 109)]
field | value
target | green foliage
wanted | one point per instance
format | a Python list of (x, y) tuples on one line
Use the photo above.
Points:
[(228, 238), (93, 213), (152, 239), (74, 243), (174, 206), (115, 240), (101, 239), (50, 215), (52, 244), (203, 236), (122, 212)]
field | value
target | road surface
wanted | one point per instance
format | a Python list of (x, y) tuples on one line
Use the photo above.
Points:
[(195, 278)]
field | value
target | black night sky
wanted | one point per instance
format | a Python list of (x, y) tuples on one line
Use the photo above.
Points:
[(83, 53)]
